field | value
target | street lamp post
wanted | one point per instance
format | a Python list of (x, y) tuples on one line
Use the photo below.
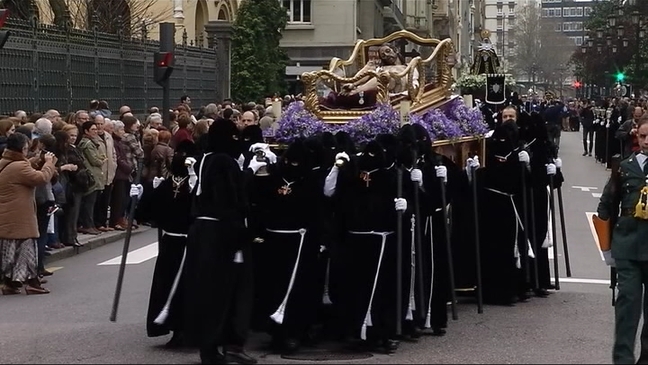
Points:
[(615, 35)]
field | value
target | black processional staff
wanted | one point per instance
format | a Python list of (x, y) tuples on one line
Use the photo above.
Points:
[(399, 253), (129, 232), (525, 219), (534, 241), (474, 165), (446, 223), (551, 171), (563, 229), (418, 241)]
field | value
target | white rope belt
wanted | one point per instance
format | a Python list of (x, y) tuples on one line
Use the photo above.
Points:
[(428, 224), (171, 234), (367, 321), (412, 302), (518, 225), (208, 219), (278, 315)]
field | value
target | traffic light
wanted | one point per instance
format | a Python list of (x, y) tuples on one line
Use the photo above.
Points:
[(4, 34), (163, 67), (620, 76), (577, 84)]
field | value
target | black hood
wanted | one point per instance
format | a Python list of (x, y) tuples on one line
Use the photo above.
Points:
[(316, 153), (372, 157), (345, 143), (423, 140), (224, 138), (389, 142), (294, 164), (407, 145), (250, 135), (330, 148), (183, 150)]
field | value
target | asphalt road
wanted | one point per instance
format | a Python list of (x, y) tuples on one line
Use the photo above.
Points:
[(574, 325)]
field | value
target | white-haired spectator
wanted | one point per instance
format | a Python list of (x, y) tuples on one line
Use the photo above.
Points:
[(53, 115), (21, 114), (154, 121), (41, 127)]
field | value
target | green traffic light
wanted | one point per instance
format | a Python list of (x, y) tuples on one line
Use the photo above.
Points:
[(620, 76)]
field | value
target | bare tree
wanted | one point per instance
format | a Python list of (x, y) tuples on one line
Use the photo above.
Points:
[(556, 48), (21, 9), (526, 35), (109, 16), (541, 48)]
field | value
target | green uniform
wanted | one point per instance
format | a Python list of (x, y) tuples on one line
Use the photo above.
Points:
[(630, 252)]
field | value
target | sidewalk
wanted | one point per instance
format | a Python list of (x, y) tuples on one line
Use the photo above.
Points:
[(89, 242)]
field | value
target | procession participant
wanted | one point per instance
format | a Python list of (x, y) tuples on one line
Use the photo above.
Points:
[(629, 253), (219, 284), (498, 183), (287, 262), (165, 311), (366, 195), (436, 168)]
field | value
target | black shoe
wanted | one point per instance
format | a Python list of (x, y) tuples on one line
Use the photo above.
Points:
[(177, 341), (438, 331), (239, 357), (542, 293), (585, 154), (589, 154), (289, 346), (391, 346), (213, 358)]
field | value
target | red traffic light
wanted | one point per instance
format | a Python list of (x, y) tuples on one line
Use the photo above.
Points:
[(577, 84), (166, 60), (4, 14)]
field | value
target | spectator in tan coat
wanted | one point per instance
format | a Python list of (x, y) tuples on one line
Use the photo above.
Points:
[(19, 228)]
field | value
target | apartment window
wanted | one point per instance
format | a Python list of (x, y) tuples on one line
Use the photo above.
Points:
[(587, 11), (500, 23), (299, 11), (499, 9), (558, 27), (511, 9), (511, 22), (573, 12), (552, 12), (572, 26)]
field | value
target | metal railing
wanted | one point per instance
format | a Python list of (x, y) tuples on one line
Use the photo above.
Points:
[(48, 67)]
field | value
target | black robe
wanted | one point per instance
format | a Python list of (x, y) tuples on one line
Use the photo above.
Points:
[(171, 211), (497, 183), (367, 206), (286, 206), (219, 290)]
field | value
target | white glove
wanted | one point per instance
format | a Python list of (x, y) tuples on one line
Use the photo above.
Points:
[(607, 125), (342, 156), (551, 169), (157, 181), (256, 165), (136, 190), (558, 163), (619, 119), (190, 162), (607, 257), (441, 172), (262, 146), (400, 204), (416, 175), (523, 156), (272, 158), (473, 163)]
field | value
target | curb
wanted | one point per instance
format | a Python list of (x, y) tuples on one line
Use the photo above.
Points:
[(89, 242)]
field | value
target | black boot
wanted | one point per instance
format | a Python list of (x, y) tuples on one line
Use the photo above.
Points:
[(238, 356)]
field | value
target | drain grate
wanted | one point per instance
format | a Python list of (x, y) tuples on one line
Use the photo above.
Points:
[(327, 355)]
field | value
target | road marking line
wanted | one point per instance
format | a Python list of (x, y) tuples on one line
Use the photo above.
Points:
[(593, 230), (583, 281), (597, 195), (584, 188), (135, 257), (55, 268)]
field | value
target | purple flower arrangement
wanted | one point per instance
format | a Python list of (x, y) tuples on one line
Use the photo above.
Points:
[(470, 120), (382, 120), (454, 120), (297, 122)]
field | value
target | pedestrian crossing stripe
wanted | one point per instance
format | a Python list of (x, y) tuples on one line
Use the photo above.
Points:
[(54, 268), (135, 257), (597, 195)]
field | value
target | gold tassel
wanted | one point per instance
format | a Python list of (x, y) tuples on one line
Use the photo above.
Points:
[(640, 208)]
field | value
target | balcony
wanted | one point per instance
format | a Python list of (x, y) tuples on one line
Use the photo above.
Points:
[(394, 15), (418, 25)]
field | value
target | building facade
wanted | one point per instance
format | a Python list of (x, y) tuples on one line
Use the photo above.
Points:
[(500, 20), (570, 17)]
